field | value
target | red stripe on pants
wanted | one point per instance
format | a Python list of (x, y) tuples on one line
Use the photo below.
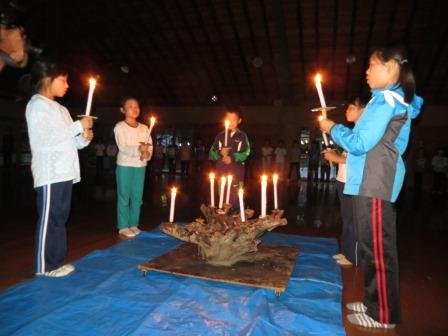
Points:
[(383, 292), (375, 243)]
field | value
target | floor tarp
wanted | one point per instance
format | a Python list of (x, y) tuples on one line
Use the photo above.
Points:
[(107, 295)]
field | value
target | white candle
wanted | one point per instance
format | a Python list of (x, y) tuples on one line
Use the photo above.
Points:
[(226, 132), (152, 122), (212, 189), (173, 201), (221, 191), (92, 84), (229, 185), (274, 181), (240, 196), (320, 93), (264, 184)]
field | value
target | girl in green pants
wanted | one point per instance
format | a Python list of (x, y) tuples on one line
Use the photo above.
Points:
[(134, 151)]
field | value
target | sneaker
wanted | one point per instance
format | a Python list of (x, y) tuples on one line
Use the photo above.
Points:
[(59, 272), (338, 256), (128, 233), (135, 229), (358, 307), (364, 320), (344, 262)]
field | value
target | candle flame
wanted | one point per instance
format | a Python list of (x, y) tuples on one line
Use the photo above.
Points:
[(264, 178), (212, 176), (152, 121), (173, 190), (227, 123), (92, 81), (275, 178), (241, 191), (318, 78), (223, 179)]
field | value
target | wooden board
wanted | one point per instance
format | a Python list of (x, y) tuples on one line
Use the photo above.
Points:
[(271, 269)]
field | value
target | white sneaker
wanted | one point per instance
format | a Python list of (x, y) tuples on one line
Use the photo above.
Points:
[(338, 256), (59, 272), (128, 233), (344, 262), (364, 320), (136, 230), (358, 307)]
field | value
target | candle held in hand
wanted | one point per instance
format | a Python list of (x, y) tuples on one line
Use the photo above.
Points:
[(92, 85)]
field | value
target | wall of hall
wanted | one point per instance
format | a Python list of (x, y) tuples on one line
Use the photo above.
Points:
[(259, 122)]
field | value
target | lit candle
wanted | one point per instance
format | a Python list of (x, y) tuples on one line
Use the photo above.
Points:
[(92, 84), (229, 185), (274, 181), (152, 122), (173, 201), (240, 196), (226, 124), (221, 191), (320, 93), (264, 184), (212, 189)]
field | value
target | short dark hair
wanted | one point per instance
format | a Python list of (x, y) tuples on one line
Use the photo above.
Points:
[(125, 99), (234, 109), (41, 69), (359, 101)]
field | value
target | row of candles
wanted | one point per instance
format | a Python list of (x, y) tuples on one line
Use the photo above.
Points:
[(225, 193)]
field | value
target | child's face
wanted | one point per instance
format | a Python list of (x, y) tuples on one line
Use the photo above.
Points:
[(353, 112), (131, 109), (234, 120), (58, 86), (379, 74)]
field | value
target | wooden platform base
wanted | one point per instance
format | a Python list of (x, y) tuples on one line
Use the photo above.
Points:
[(271, 269)]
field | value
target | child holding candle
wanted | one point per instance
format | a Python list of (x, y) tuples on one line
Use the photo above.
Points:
[(349, 236), (54, 140), (231, 160), (375, 176), (134, 151)]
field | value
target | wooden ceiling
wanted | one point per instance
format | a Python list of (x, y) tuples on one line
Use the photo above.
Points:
[(245, 52)]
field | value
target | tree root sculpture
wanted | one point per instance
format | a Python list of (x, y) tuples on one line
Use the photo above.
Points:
[(223, 239)]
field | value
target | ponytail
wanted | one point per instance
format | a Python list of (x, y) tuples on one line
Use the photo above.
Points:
[(406, 77)]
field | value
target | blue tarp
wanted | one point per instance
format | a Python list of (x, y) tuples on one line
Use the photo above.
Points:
[(107, 295)]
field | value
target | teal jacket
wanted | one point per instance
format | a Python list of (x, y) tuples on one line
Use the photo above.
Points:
[(375, 146)]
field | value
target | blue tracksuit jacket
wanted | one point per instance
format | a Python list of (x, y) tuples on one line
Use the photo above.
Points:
[(375, 145)]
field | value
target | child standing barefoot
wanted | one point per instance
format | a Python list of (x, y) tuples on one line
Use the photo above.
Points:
[(134, 152), (54, 140)]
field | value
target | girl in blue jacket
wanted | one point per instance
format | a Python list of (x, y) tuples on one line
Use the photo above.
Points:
[(375, 174)]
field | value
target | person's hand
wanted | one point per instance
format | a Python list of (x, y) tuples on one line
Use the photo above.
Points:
[(330, 155), (144, 156), (86, 122), (326, 125), (225, 151), (144, 147), (88, 134), (227, 160)]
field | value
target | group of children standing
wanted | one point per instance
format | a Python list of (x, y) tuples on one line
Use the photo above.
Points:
[(372, 160)]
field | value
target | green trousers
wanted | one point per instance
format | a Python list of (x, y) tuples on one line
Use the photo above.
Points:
[(130, 183)]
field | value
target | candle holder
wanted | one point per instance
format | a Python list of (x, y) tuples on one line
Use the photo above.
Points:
[(322, 109), (85, 115)]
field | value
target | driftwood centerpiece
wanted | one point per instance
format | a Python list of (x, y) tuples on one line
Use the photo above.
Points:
[(223, 239)]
